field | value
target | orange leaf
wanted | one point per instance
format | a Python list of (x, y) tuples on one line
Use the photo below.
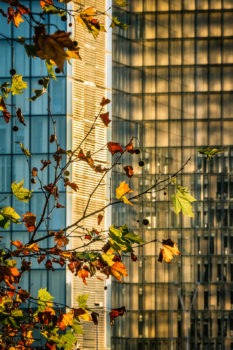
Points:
[(60, 239), (17, 244), (45, 3), (72, 185), (83, 273), (129, 148), (118, 270), (115, 147)]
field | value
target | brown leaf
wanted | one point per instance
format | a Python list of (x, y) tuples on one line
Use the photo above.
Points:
[(30, 220), (130, 148), (104, 101), (99, 219), (129, 170), (72, 185), (118, 270)]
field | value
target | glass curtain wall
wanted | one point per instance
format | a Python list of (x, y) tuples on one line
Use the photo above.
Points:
[(35, 137), (173, 91)]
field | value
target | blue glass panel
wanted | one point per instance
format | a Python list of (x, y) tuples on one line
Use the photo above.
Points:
[(57, 284), (58, 217), (38, 279), (58, 91), (5, 139), (5, 57), (20, 170), (60, 132), (39, 134), (21, 60)]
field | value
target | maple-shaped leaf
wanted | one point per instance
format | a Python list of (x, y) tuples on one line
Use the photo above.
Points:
[(21, 193), (169, 250), (73, 54), (30, 221), (210, 152), (118, 270), (17, 244), (83, 273), (121, 238), (182, 201), (60, 239), (7, 215), (82, 300), (10, 275), (51, 47), (116, 313), (122, 190), (87, 18), (65, 320), (117, 23), (45, 299), (18, 85), (115, 147), (104, 102), (129, 170), (105, 118), (15, 16)]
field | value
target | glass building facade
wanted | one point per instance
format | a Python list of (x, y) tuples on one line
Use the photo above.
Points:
[(173, 92)]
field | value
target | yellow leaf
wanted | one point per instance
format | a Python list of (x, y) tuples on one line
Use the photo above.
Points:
[(168, 252), (122, 190), (65, 320), (85, 316)]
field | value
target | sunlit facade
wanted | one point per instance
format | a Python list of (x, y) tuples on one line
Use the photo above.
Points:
[(173, 92)]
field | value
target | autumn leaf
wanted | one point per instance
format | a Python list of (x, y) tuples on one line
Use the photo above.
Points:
[(105, 118), (65, 320), (7, 215), (21, 193), (169, 250), (129, 170), (51, 47), (115, 147), (72, 185), (99, 219), (118, 270), (117, 23), (82, 300), (121, 3), (104, 102), (6, 114), (83, 273), (210, 152), (20, 116), (121, 238), (122, 190), (40, 92), (116, 313), (130, 148), (30, 221), (87, 19), (25, 151), (18, 85), (60, 239), (45, 299), (182, 201), (15, 15)]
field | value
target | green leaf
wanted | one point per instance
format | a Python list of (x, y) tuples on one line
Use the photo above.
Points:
[(210, 152), (7, 215), (122, 238), (18, 85), (82, 300), (117, 23), (42, 91), (77, 327), (24, 150), (182, 201), (67, 340), (50, 70), (21, 193), (45, 299)]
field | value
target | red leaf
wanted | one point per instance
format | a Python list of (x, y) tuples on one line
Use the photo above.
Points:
[(105, 118), (114, 147), (116, 313), (129, 170)]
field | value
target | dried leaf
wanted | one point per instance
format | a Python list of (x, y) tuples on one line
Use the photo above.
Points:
[(169, 250), (30, 220), (104, 102), (116, 313), (129, 170), (115, 147), (105, 118), (118, 270)]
